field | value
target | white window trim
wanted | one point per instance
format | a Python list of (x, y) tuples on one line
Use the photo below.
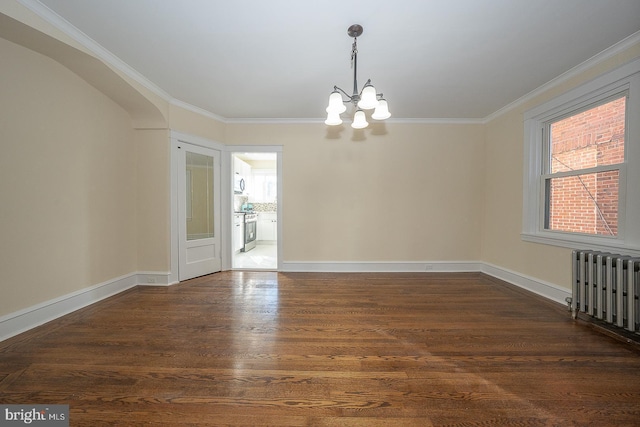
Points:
[(619, 80)]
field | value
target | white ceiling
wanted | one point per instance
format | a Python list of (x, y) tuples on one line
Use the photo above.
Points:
[(279, 59)]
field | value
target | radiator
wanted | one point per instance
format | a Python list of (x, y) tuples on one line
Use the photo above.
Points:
[(606, 287)]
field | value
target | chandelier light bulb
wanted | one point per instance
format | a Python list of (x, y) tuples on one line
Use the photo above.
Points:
[(359, 120), (382, 110)]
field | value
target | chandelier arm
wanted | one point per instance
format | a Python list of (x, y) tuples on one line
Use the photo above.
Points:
[(344, 93), (365, 85)]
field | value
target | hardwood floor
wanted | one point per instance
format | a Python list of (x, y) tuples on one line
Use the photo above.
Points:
[(303, 349)]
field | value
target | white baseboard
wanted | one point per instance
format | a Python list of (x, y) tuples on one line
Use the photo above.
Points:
[(537, 286), (545, 289), (24, 320), (153, 278), (380, 267), (31, 317)]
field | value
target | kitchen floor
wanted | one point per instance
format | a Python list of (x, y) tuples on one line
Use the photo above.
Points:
[(263, 256)]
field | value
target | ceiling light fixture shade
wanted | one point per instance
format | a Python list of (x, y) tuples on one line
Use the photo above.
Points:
[(359, 120), (367, 99), (382, 110), (333, 119), (335, 103)]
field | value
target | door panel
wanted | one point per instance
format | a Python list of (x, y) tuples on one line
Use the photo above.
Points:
[(199, 211)]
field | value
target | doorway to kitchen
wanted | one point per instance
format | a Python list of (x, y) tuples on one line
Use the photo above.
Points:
[(256, 190)]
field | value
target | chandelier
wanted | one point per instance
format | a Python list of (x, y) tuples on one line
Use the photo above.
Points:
[(367, 99)]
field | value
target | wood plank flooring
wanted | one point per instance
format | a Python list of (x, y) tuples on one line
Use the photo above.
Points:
[(303, 349)]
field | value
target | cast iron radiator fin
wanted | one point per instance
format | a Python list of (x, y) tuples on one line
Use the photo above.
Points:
[(606, 287)]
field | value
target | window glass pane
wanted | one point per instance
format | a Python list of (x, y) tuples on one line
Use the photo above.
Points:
[(583, 203), (594, 137), (265, 186), (199, 190)]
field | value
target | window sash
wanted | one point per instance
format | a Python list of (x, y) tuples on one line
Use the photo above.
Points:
[(544, 202), (609, 96), (596, 169), (600, 200)]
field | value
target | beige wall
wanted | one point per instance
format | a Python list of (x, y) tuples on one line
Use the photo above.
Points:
[(403, 192), (68, 182), (153, 199), (502, 223), (501, 243), (190, 122)]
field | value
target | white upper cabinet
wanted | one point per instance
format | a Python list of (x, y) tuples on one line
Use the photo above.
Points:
[(242, 168)]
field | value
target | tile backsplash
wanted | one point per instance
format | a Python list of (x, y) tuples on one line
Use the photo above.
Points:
[(265, 207), (239, 201)]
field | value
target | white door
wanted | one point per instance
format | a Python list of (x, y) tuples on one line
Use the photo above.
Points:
[(199, 210)]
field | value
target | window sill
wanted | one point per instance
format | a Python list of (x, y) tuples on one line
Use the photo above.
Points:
[(582, 242)]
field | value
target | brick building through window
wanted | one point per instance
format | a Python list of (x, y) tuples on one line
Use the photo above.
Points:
[(586, 202)]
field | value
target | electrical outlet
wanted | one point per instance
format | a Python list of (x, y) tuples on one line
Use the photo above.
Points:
[(151, 280), (428, 267)]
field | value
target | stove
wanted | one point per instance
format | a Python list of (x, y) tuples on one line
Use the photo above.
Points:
[(250, 231)]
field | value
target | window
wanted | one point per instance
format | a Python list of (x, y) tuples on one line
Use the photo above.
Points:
[(265, 185), (582, 166), (582, 169)]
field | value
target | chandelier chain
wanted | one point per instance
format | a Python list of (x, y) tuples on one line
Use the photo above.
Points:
[(354, 50)]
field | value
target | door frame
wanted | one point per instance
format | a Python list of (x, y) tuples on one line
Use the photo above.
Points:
[(228, 224), (177, 138)]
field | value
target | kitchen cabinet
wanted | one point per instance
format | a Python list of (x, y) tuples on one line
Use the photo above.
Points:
[(242, 168), (267, 226), (238, 232)]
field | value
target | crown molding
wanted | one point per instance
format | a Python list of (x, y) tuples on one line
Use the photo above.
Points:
[(439, 121), (109, 58), (564, 77), (96, 49), (287, 121), (390, 121), (198, 110)]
